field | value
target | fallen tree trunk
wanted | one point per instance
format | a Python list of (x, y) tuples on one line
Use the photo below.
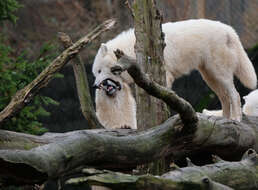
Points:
[(116, 181), (240, 175), (55, 155)]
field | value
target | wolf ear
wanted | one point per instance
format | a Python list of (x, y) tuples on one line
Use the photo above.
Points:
[(103, 49)]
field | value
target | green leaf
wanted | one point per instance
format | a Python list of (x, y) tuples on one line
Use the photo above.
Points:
[(41, 112), (47, 100), (7, 9)]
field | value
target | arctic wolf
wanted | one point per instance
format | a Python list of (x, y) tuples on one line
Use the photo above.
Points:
[(211, 47)]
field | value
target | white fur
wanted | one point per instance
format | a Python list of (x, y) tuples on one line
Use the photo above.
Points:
[(212, 112), (118, 111), (211, 47), (251, 104)]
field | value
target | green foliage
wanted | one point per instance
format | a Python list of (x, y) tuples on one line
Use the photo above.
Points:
[(7, 9), (16, 73)]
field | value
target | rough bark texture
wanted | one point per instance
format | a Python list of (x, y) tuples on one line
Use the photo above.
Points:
[(25, 95), (116, 181), (82, 85), (149, 48), (55, 155), (240, 175)]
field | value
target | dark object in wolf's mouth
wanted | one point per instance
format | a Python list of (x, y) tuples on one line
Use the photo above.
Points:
[(110, 86)]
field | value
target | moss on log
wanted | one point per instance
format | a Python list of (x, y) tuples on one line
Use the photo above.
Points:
[(224, 175)]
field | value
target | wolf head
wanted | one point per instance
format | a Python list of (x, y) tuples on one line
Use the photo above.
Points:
[(105, 80)]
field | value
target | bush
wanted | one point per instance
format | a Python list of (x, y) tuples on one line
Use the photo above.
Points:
[(16, 73), (7, 9)]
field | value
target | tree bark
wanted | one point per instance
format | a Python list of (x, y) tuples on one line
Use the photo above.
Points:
[(82, 85), (240, 175), (25, 95), (149, 48), (116, 181), (55, 155)]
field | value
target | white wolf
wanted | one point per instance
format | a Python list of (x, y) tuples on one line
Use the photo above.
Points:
[(211, 47)]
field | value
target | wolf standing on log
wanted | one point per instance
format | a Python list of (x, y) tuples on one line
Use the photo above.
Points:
[(211, 47)]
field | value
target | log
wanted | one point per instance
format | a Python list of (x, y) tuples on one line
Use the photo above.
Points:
[(116, 181), (25, 95), (55, 155), (239, 175)]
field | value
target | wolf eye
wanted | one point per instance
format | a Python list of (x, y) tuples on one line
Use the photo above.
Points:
[(99, 71)]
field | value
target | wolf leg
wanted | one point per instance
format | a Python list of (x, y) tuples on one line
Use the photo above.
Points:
[(224, 87)]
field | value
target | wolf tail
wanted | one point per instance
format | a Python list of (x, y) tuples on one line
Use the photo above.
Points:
[(245, 71)]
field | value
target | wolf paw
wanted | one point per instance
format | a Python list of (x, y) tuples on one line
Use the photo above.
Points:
[(125, 127)]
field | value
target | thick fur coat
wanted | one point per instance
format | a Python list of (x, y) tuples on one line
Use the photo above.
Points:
[(211, 47)]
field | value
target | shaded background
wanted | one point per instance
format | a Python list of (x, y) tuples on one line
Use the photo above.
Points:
[(40, 20)]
